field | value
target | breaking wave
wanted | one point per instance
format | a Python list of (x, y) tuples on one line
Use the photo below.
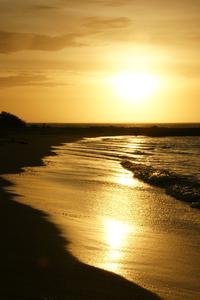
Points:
[(179, 186)]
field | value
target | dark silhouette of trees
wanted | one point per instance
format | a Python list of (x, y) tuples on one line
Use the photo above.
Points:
[(8, 120)]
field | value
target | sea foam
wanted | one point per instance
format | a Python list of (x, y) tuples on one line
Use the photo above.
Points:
[(179, 186)]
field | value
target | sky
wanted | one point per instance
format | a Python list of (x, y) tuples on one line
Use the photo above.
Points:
[(100, 60)]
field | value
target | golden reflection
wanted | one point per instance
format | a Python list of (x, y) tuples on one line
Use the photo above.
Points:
[(114, 254), (127, 179), (116, 234), (112, 266)]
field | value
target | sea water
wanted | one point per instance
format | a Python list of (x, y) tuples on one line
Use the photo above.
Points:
[(118, 222)]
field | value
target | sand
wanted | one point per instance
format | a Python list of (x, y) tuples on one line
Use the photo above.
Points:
[(35, 262)]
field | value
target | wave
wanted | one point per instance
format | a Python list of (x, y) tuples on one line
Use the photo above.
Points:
[(179, 186), (138, 152)]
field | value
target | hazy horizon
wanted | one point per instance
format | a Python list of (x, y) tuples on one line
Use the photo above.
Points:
[(117, 123)]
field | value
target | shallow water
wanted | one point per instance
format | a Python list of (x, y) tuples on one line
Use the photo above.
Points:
[(117, 222)]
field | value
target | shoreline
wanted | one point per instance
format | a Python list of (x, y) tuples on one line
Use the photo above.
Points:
[(35, 262)]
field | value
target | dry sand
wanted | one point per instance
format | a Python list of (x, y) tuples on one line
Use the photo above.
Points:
[(34, 261)]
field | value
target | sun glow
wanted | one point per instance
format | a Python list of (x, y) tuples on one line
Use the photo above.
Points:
[(135, 86)]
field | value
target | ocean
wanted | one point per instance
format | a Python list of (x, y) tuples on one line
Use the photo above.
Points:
[(116, 200)]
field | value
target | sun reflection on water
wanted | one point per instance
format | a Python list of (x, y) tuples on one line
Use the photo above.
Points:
[(116, 235), (126, 178)]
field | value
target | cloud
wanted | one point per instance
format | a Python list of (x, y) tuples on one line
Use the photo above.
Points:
[(19, 41), (43, 7), (26, 80), (117, 2), (106, 23), (101, 2), (15, 41)]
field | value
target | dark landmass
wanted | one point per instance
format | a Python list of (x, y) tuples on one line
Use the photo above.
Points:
[(8, 120), (109, 130), (34, 257)]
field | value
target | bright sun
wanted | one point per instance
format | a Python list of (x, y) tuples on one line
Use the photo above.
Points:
[(135, 86)]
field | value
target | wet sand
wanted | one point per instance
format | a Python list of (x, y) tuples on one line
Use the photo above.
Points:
[(35, 262)]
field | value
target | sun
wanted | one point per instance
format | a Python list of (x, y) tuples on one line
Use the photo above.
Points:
[(135, 86)]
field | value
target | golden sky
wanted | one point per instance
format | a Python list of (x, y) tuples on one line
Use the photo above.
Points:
[(100, 60)]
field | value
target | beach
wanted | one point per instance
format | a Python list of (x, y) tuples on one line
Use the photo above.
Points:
[(84, 213), (99, 150), (35, 263)]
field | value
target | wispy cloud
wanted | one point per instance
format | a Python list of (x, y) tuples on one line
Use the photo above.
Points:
[(15, 41), (19, 41), (94, 2), (27, 80), (44, 7), (107, 23)]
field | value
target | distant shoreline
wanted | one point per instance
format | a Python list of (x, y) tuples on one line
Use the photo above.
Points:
[(27, 146), (100, 130), (120, 124)]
